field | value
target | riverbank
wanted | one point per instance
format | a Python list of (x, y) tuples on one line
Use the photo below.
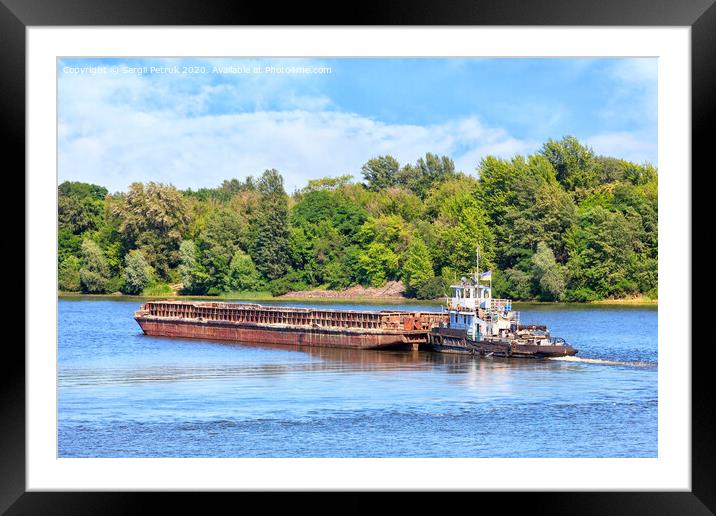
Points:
[(627, 301), (297, 297), (256, 297), (391, 290)]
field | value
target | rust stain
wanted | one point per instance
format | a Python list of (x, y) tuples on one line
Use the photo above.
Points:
[(251, 323)]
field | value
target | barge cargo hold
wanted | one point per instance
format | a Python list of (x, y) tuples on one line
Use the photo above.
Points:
[(258, 324)]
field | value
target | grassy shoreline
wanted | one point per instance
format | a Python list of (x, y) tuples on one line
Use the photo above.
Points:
[(634, 301)]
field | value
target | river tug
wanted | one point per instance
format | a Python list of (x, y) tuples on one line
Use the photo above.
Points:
[(481, 325)]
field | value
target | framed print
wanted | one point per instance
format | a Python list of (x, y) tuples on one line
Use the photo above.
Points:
[(419, 250)]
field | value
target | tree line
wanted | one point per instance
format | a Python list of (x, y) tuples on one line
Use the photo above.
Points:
[(562, 224)]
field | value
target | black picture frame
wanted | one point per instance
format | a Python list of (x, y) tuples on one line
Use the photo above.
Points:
[(700, 15)]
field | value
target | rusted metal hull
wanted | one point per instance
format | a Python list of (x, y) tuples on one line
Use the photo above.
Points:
[(251, 323), (254, 334)]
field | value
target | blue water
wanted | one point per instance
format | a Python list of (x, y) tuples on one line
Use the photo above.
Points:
[(125, 394)]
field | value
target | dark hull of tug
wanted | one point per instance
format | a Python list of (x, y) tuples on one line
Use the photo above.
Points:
[(249, 333), (442, 341)]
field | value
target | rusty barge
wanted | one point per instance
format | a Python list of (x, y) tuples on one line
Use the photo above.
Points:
[(258, 324)]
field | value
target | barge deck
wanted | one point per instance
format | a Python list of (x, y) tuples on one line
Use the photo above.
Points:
[(253, 323)]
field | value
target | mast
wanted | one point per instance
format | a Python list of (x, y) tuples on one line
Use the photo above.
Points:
[(477, 273), (477, 264)]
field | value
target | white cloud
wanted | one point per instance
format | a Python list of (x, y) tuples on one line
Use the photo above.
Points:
[(638, 146), (634, 92), (632, 112), (302, 145), (639, 70), (114, 130)]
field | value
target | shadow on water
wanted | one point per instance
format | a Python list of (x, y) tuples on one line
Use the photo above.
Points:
[(397, 356), (320, 360), (236, 364)]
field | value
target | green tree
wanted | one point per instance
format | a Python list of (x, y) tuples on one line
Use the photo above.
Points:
[(80, 208), (418, 267), (317, 206), (228, 189), (243, 274), (81, 190), (246, 205), (68, 278), (95, 273), (137, 273), (432, 288), (543, 212), (79, 215), (559, 224), (381, 172), (271, 247), (377, 264), (218, 242), (497, 196), (549, 275), (572, 161), (337, 273), (446, 199), (602, 247), (153, 218), (398, 201), (291, 281), (640, 174), (526, 205), (304, 256), (425, 173), (513, 284), (497, 180), (68, 244), (390, 230), (635, 202), (192, 275), (461, 225), (327, 183)]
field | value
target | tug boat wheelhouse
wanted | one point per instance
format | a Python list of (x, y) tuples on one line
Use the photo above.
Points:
[(482, 325)]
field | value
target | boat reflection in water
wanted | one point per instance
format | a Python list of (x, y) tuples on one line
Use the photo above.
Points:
[(319, 360)]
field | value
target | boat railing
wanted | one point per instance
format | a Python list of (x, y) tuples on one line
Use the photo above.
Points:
[(501, 304), (239, 313)]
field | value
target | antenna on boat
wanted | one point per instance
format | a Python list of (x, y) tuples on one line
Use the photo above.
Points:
[(477, 265)]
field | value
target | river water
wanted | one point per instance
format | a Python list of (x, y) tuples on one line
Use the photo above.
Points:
[(125, 394)]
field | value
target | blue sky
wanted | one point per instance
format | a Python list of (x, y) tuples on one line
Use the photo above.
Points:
[(120, 122)]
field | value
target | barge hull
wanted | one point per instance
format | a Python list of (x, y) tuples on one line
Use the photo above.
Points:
[(284, 335)]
